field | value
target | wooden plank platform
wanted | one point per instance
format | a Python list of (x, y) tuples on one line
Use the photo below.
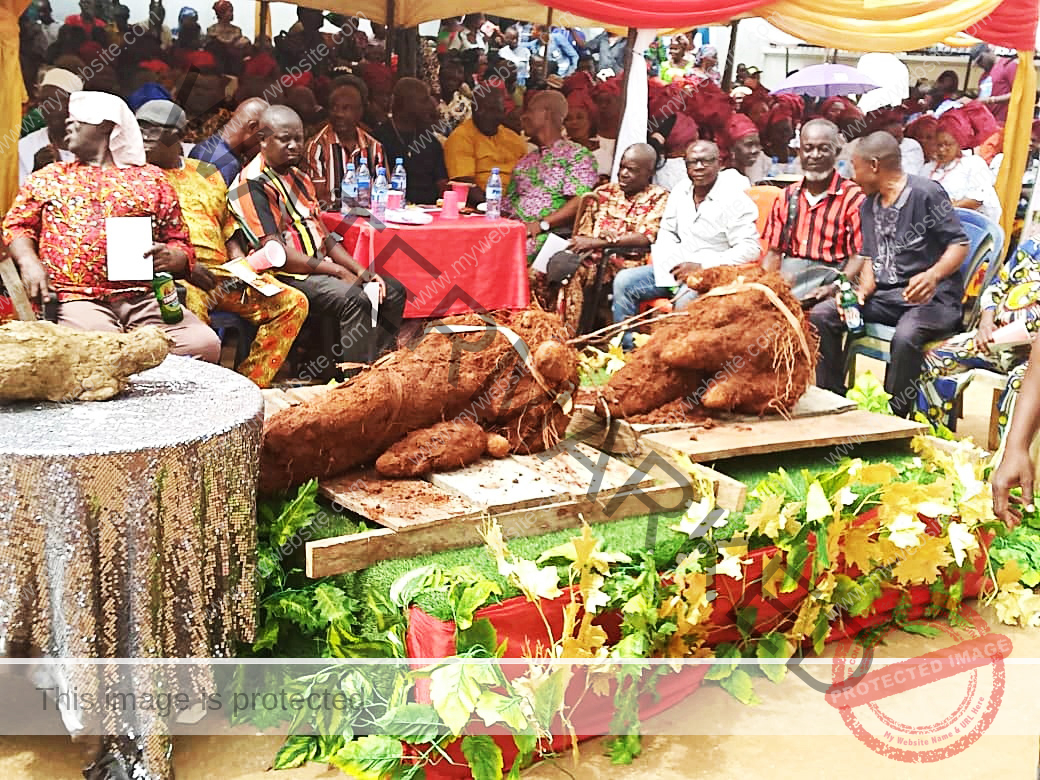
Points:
[(731, 440), (358, 551), (815, 403), (278, 398)]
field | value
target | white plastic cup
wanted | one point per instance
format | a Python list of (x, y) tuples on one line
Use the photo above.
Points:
[(270, 255)]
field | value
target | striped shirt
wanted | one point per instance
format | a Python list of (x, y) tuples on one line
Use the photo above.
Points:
[(267, 203), (827, 231), (325, 160)]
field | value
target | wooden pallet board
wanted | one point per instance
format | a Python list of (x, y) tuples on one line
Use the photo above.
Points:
[(731, 440), (278, 398), (359, 551), (398, 504), (816, 402)]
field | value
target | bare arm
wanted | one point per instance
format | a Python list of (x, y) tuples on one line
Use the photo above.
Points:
[(34, 275), (921, 288), (1016, 467), (771, 260)]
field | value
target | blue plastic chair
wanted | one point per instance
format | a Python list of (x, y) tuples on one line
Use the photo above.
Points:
[(224, 322), (985, 248)]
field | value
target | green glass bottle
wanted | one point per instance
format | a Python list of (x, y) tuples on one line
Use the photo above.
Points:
[(166, 294)]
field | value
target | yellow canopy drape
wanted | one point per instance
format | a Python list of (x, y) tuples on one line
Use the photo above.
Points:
[(1017, 132), (11, 99)]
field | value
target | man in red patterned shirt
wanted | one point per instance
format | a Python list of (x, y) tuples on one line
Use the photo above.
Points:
[(56, 228), (813, 232)]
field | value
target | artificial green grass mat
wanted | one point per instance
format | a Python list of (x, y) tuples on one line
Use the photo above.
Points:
[(631, 535)]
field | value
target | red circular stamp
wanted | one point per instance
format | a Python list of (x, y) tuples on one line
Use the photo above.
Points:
[(923, 709)]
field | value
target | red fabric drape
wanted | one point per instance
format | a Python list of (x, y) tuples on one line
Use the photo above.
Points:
[(1012, 25)]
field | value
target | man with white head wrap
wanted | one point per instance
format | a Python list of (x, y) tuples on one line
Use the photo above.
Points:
[(56, 228), (46, 145)]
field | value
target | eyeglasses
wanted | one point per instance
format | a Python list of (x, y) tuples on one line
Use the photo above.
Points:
[(701, 162)]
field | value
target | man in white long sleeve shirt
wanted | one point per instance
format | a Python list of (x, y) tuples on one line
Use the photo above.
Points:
[(707, 222)]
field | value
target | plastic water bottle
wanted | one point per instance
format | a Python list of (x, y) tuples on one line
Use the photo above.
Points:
[(349, 188), (774, 168), (399, 180), (850, 307), (380, 193), (364, 185), (493, 195)]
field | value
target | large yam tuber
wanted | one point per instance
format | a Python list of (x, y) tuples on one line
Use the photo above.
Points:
[(736, 352), (41, 361), (441, 447), (477, 376)]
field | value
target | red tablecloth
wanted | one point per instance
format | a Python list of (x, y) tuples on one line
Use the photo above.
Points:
[(449, 266)]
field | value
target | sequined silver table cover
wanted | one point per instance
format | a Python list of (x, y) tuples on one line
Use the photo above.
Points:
[(127, 527)]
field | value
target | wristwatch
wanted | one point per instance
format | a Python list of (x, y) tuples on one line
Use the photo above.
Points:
[(544, 226)]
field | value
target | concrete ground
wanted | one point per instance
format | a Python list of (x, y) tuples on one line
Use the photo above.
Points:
[(775, 739)]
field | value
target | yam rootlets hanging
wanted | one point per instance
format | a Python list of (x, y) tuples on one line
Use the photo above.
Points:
[(477, 376), (743, 346)]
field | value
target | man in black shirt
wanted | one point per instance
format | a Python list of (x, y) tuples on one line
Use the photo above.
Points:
[(408, 134), (914, 245)]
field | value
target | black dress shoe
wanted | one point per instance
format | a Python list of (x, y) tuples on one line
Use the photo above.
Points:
[(110, 766)]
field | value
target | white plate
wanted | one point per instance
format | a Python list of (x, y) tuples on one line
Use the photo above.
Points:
[(408, 217), (482, 208)]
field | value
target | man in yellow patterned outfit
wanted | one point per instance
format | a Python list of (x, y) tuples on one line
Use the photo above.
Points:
[(203, 198)]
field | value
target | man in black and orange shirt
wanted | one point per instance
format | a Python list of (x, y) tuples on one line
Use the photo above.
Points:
[(813, 232), (273, 200)]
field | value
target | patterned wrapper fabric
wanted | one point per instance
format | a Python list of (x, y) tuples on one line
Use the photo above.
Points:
[(128, 530)]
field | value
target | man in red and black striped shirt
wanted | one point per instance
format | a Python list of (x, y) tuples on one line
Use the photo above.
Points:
[(813, 232)]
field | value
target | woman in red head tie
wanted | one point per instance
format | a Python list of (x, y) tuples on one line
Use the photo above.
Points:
[(965, 177), (922, 130), (745, 149), (581, 119)]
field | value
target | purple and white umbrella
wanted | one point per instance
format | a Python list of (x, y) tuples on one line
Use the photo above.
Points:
[(826, 81)]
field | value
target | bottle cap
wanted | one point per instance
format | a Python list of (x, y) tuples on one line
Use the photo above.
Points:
[(380, 171), (399, 161), (350, 166), (494, 170)]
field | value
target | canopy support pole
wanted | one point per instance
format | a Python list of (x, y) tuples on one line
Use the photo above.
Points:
[(263, 18), (390, 31), (731, 54), (548, 44)]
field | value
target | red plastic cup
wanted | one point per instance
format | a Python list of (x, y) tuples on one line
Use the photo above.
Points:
[(395, 200), (450, 205), (461, 190)]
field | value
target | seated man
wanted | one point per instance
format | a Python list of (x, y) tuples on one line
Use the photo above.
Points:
[(274, 200), (1013, 297), (236, 143), (546, 184), (408, 134), (813, 232), (42, 147), (341, 141), (707, 222), (911, 277), (56, 228), (481, 143), (624, 215), (203, 199)]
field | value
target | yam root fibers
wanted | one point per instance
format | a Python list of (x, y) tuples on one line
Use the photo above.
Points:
[(41, 361), (477, 377), (726, 353)]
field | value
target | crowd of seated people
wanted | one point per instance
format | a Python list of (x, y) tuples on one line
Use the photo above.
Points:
[(236, 144)]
